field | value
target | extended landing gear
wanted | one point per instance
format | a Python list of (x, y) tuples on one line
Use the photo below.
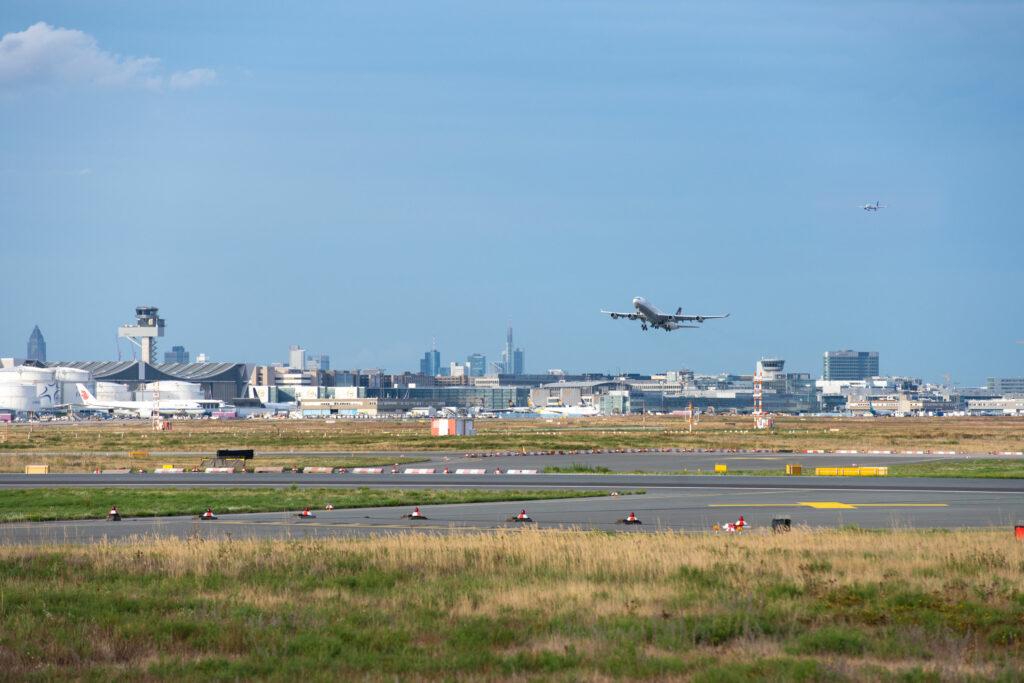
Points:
[(643, 327)]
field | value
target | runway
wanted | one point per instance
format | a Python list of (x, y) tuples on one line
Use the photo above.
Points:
[(691, 503), (512, 481), (617, 462)]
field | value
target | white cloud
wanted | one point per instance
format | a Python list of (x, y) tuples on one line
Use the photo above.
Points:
[(45, 55), (192, 78)]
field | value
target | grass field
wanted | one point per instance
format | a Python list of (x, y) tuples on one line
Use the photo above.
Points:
[(32, 505), (521, 605), (975, 435), (980, 468)]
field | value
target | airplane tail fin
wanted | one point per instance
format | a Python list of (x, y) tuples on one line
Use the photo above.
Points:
[(84, 393), (679, 311)]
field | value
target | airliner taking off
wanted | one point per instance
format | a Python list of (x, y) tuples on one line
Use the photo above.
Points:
[(873, 207), (650, 316), (147, 408)]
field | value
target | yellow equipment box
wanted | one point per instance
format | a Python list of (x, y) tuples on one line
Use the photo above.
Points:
[(794, 469), (721, 469), (37, 469)]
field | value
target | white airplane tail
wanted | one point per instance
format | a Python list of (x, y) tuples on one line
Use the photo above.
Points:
[(87, 397)]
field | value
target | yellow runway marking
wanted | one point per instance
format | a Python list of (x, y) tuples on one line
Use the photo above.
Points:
[(829, 505)]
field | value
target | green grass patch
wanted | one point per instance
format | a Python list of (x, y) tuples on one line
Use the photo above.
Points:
[(518, 605), (28, 505), (578, 468), (976, 468), (834, 640)]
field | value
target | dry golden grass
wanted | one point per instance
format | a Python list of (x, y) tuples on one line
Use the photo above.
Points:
[(974, 434)]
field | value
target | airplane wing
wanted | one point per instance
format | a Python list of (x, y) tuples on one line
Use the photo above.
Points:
[(615, 315), (677, 318)]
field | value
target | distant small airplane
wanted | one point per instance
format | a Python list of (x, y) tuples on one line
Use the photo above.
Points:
[(649, 315), (873, 207)]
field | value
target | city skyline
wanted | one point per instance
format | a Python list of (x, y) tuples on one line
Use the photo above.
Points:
[(716, 159)]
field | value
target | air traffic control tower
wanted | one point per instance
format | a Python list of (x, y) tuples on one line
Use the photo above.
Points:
[(148, 326)]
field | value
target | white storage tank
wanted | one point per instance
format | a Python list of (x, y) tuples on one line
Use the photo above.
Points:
[(19, 396), (170, 390), (112, 391), (67, 379)]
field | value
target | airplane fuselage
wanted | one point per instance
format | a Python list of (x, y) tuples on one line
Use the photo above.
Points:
[(650, 314)]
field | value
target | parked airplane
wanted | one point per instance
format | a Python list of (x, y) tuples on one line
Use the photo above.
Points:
[(567, 411), (147, 408), (873, 207), (649, 315)]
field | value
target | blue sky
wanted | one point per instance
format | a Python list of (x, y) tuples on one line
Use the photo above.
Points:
[(360, 178)]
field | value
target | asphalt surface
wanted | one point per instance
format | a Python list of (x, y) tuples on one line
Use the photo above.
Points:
[(618, 462), (512, 481), (690, 509), (679, 502), (690, 503)]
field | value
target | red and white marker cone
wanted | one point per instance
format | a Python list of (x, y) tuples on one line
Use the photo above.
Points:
[(741, 523), (306, 514), (631, 519), (522, 517), (208, 515), (328, 507), (113, 515), (415, 514), (447, 471)]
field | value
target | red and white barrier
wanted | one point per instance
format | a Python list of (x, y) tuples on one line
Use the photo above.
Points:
[(169, 470), (470, 471), (912, 452), (520, 471), (419, 470), (943, 452), (318, 470), (367, 470), (1010, 453), (117, 471), (848, 452), (880, 452), (814, 451), (268, 469), (220, 470)]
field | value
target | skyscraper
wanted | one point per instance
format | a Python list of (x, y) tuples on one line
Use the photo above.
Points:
[(430, 364), (518, 362), (512, 359), (36, 346), (849, 365), (296, 357), (177, 354), (477, 363)]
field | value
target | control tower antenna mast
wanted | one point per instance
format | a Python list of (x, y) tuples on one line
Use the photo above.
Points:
[(148, 326)]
